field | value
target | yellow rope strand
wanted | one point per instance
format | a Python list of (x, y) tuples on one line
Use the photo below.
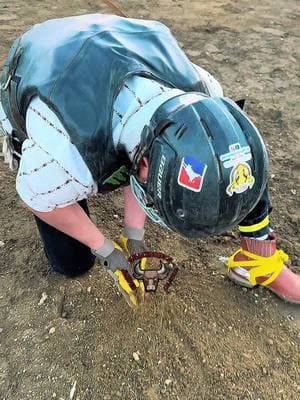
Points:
[(260, 266)]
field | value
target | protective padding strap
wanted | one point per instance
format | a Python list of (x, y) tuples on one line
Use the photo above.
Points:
[(123, 243), (117, 246), (123, 240), (124, 284), (255, 227), (260, 266)]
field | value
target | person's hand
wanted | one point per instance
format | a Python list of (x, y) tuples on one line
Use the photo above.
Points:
[(133, 246), (112, 257)]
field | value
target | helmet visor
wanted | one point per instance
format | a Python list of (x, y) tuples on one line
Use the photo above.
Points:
[(141, 198)]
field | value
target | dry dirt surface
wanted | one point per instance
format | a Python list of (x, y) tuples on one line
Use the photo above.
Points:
[(207, 339)]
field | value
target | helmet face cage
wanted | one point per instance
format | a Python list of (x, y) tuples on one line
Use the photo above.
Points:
[(141, 197)]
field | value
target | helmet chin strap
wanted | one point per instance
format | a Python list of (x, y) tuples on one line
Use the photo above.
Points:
[(141, 197), (140, 151), (143, 170)]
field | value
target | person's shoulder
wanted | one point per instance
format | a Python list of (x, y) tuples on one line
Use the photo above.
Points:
[(213, 87)]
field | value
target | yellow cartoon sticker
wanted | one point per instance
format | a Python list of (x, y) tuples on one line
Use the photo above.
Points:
[(241, 179)]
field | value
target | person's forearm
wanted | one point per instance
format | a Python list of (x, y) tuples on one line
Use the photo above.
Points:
[(135, 216), (73, 221)]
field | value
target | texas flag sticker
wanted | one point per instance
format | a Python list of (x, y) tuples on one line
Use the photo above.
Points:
[(191, 173)]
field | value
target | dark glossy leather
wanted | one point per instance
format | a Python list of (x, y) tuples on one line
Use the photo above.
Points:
[(77, 65)]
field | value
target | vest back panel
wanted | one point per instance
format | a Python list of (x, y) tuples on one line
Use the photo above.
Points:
[(77, 65)]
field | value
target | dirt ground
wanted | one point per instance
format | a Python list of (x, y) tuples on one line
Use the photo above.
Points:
[(207, 339)]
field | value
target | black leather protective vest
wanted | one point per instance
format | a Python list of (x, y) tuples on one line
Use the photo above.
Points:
[(77, 66)]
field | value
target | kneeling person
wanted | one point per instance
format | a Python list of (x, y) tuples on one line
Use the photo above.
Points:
[(100, 106)]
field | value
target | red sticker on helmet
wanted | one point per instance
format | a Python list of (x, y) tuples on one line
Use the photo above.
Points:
[(191, 173)]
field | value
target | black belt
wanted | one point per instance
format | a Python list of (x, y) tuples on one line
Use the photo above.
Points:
[(16, 139)]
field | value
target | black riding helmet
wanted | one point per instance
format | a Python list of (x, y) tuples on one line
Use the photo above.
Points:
[(207, 165)]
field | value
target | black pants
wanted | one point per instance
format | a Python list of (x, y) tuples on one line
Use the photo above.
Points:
[(65, 254), (70, 257), (260, 211)]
